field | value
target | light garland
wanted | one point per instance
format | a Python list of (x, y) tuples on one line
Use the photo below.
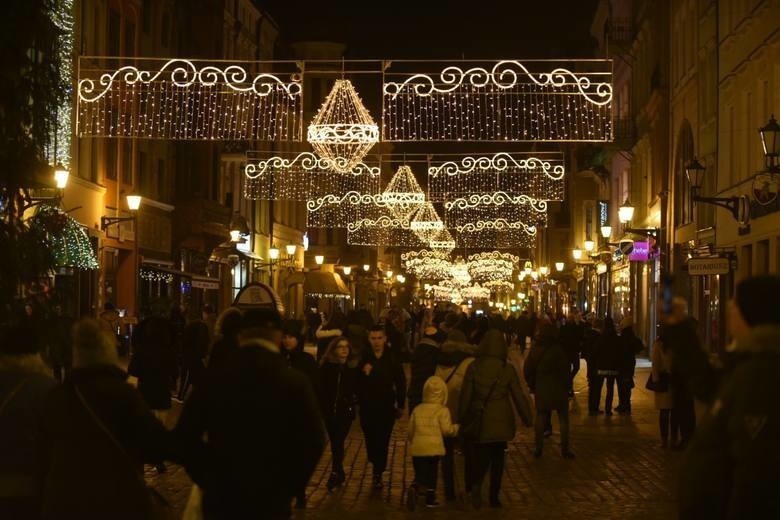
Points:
[(476, 292), (342, 210), (62, 16), (70, 244), (343, 127), (427, 264), (425, 222), (499, 233), (403, 194), (460, 273), (537, 175), (305, 176), (505, 102), (383, 230), (189, 99), (493, 265), (500, 286), (442, 241), (153, 275)]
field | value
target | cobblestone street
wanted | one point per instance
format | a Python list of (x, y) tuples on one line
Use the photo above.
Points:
[(620, 472)]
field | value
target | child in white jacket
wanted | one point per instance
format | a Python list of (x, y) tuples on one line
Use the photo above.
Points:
[(429, 424)]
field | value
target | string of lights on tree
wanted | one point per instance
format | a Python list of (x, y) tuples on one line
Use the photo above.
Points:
[(501, 101), (189, 99), (58, 149), (69, 242), (538, 175)]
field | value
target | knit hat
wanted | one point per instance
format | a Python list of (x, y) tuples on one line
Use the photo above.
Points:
[(756, 299)]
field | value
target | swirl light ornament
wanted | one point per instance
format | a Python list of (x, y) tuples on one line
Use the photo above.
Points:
[(188, 99), (539, 175), (343, 127), (499, 233), (442, 240), (500, 101), (460, 272), (493, 265), (305, 176), (499, 286), (427, 264), (476, 292)]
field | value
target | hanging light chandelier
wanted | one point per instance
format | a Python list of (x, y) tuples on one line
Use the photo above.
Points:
[(343, 128), (442, 241), (476, 292), (492, 265), (427, 264), (425, 222), (403, 194), (460, 272)]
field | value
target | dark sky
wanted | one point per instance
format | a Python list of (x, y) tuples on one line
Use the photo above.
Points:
[(433, 29)]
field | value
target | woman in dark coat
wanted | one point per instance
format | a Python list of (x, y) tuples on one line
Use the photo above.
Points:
[(491, 384), (630, 346), (194, 349), (338, 382), (547, 373), (97, 433), (154, 363), (608, 360)]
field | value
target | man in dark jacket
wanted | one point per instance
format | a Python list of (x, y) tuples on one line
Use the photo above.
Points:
[(571, 340), (381, 394), (424, 361), (523, 329), (630, 346), (730, 470), (265, 433)]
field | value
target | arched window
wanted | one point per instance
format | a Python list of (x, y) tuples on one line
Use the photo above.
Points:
[(683, 206)]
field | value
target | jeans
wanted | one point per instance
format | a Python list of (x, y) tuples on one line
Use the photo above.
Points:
[(377, 428), (668, 424), (610, 393), (489, 455), (448, 468), (425, 472), (338, 428), (543, 418), (595, 382)]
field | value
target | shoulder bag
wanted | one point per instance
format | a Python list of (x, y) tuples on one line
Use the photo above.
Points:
[(473, 425)]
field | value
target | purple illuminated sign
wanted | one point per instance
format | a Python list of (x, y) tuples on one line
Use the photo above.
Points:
[(640, 253)]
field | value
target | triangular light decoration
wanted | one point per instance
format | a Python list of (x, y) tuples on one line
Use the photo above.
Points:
[(425, 222), (403, 194), (343, 127), (442, 241)]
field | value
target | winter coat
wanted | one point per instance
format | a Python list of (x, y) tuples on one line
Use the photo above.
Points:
[(547, 373), (424, 360), (194, 349), (454, 360), (221, 350), (87, 475), (692, 373), (730, 469), (571, 339), (662, 363), (20, 423), (431, 421), (154, 363), (384, 388), (304, 363), (338, 383), (590, 337), (630, 346), (264, 430), (498, 418), (608, 354)]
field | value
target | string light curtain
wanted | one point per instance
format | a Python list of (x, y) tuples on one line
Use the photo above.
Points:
[(508, 100), (427, 264), (498, 233), (539, 175), (189, 99), (493, 265), (425, 222), (305, 176), (343, 127), (403, 194)]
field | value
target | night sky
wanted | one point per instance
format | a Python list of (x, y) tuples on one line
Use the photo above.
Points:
[(433, 29)]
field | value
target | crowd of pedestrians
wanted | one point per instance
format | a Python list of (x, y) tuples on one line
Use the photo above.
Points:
[(258, 408)]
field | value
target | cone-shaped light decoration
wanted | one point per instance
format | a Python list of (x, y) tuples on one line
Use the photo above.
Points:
[(442, 241), (425, 222), (403, 194), (343, 130)]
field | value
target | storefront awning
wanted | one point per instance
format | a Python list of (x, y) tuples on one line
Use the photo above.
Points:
[(324, 284)]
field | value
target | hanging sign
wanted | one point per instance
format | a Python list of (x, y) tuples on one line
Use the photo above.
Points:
[(640, 252), (707, 266)]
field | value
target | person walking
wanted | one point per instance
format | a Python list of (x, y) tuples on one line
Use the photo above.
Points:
[(590, 337), (338, 399), (154, 364), (423, 366), (571, 334), (194, 350), (730, 468), (523, 328), (547, 372), (331, 328), (226, 343), (97, 433), (382, 394), (25, 382), (608, 357), (630, 346), (60, 348), (429, 424), (658, 383), (263, 427), (490, 388), (296, 357)]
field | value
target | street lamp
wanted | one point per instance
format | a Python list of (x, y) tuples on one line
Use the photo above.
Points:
[(366, 268), (543, 270), (738, 206), (769, 141), (133, 202), (273, 253), (291, 248), (606, 231), (625, 212), (389, 274), (559, 266), (238, 227), (401, 278), (61, 176), (319, 259), (590, 245), (347, 270), (576, 253)]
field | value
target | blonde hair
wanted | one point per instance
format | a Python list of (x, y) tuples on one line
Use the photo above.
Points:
[(93, 344)]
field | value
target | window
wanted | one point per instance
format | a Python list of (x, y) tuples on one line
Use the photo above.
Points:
[(111, 158), (127, 162)]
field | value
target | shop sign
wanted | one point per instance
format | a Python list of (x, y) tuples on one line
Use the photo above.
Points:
[(205, 284), (708, 266), (640, 252)]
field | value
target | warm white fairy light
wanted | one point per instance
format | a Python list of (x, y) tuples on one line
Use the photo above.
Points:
[(538, 175), (427, 264), (403, 194), (189, 99), (460, 272), (425, 222), (476, 292), (58, 147), (305, 176), (503, 101), (343, 209), (502, 286), (493, 265), (343, 127), (442, 241), (499, 233)]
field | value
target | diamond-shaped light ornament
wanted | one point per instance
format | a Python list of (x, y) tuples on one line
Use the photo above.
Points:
[(425, 222), (343, 130), (442, 241), (403, 194)]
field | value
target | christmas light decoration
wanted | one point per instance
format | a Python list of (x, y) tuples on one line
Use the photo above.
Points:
[(508, 101), (427, 264), (442, 241), (58, 147), (538, 175), (498, 211), (384, 230), (341, 210), (493, 265), (499, 286), (460, 272), (69, 241), (152, 275), (403, 194), (499, 233), (476, 292), (343, 127), (305, 176), (425, 222), (190, 99)]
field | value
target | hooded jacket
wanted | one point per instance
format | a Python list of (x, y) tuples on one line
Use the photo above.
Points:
[(424, 361), (731, 465), (455, 357), (498, 418), (547, 372), (431, 421)]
